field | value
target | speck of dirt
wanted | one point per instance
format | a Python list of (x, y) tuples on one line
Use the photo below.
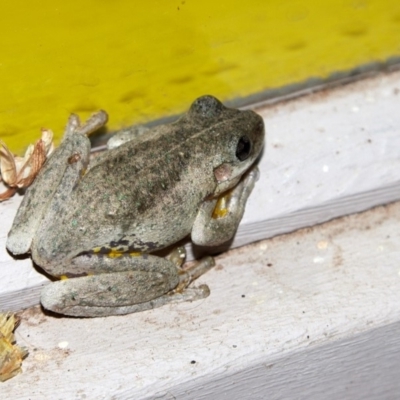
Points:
[(218, 267), (32, 316), (74, 158)]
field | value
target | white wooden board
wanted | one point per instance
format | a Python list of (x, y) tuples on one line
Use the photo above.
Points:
[(309, 315), (327, 154)]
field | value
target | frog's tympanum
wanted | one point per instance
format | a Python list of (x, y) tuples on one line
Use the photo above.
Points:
[(95, 225)]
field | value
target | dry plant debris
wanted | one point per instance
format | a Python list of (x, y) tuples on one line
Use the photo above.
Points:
[(19, 172), (11, 355)]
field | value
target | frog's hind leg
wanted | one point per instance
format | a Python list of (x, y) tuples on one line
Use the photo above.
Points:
[(59, 174), (136, 283)]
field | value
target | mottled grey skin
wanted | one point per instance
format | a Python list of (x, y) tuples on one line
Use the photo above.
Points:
[(151, 189)]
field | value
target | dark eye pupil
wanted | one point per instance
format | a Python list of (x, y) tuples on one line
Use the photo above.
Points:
[(243, 148)]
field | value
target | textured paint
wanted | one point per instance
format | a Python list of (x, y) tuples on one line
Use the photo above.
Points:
[(144, 60)]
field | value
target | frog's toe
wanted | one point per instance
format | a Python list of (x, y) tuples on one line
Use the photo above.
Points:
[(19, 242)]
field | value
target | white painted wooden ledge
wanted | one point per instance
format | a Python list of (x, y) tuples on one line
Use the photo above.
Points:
[(308, 315)]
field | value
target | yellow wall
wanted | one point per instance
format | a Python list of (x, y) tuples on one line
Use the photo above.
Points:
[(141, 60)]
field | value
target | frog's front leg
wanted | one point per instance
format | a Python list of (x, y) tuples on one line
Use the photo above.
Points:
[(55, 180), (136, 283), (217, 220)]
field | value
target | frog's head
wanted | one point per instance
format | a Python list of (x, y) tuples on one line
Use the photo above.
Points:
[(237, 139)]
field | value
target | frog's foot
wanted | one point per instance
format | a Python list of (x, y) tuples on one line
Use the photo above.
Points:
[(187, 276), (189, 294), (242, 191), (177, 256), (95, 122)]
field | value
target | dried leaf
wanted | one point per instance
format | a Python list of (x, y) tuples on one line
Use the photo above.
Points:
[(20, 172), (9, 192), (32, 165), (11, 355), (7, 164)]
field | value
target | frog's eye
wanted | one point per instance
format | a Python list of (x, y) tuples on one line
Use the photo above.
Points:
[(243, 148)]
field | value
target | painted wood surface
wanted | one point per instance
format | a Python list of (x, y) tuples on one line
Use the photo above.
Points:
[(309, 315)]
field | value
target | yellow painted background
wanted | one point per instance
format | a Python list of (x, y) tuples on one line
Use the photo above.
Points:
[(144, 60)]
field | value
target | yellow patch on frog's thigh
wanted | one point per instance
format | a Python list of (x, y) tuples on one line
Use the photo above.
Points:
[(108, 251), (115, 252), (66, 277)]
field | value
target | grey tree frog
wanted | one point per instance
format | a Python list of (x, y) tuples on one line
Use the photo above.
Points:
[(95, 225)]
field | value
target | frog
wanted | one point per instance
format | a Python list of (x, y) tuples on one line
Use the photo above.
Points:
[(97, 225)]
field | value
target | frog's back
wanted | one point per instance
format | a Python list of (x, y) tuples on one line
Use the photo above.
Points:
[(145, 194), (142, 189)]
